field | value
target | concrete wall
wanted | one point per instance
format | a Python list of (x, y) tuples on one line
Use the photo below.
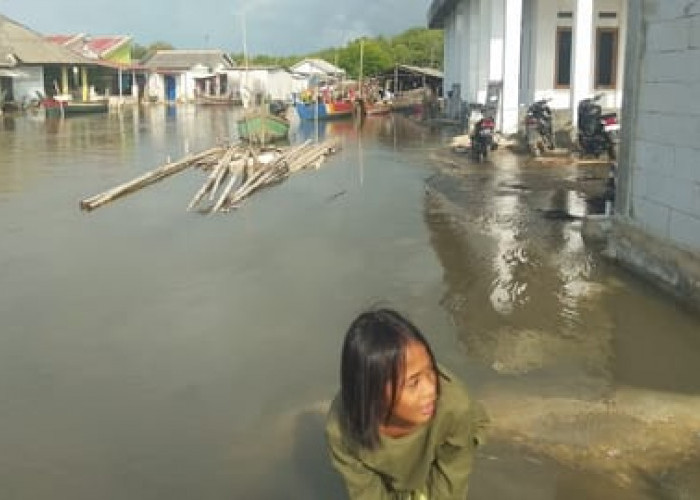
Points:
[(544, 48), (475, 33), (658, 209)]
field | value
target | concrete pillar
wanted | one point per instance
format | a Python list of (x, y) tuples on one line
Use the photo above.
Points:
[(449, 49), (462, 44), (134, 86), (581, 60), (496, 40), (474, 36), (84, 80), (64, 80), (622, 47), (484, 49), (511, 65)]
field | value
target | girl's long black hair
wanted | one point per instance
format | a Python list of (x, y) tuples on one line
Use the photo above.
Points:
[(373, 360)]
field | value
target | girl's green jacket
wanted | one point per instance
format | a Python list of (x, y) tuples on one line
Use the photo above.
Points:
[(432, 463)]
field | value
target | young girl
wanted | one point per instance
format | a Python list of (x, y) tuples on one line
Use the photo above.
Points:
[(401, 427)]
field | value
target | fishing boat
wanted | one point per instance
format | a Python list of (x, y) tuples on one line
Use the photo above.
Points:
[(262, 127), (56, 108), (325, 110), (376, 108)]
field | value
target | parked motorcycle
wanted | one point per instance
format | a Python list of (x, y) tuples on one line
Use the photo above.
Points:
[(482, 139), (597, 132), (538, 127)]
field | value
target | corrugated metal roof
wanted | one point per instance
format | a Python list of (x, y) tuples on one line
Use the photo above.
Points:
[(89, 46), (436, 73), (29, 47), (186, 59), (322, 65)]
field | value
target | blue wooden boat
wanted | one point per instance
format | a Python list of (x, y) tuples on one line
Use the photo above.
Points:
[(325, 111)]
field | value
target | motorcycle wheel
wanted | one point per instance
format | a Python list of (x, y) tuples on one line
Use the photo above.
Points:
[(550, 143)]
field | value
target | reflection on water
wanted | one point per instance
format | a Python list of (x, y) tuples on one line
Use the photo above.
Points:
[(538, 307), (146, 352)]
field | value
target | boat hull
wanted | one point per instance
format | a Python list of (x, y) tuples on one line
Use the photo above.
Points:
[(210, 100), (57, 109), (325, 111), (262, 128)]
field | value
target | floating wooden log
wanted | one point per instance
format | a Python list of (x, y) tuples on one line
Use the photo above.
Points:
[(144, 180), (242, 169)]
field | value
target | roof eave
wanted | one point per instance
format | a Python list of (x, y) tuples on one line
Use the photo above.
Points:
[(438, 11)]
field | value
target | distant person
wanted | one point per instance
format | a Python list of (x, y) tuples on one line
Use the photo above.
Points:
[(401, 427)]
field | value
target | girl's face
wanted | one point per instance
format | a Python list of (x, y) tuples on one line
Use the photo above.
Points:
[(417, 393)]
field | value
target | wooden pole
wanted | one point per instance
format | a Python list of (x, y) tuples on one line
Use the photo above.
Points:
[(144, 180), (84, 78), (362, 62), (396, 79)]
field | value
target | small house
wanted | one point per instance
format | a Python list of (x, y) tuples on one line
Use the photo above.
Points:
[(180, 75), (32, 67)]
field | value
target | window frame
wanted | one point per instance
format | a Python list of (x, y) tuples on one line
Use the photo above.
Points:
[(562, 29), (615, 56)]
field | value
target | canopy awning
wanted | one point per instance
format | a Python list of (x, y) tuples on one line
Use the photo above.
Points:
[(13, 73)]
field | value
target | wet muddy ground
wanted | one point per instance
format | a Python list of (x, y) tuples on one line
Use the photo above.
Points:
[(595, 384)]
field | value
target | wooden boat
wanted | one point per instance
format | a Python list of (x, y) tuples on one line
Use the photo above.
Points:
[(59, 108), (325, 110), (261, 127), (226, 100), (377, 108)]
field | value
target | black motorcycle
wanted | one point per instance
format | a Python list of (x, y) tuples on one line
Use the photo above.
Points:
[(538, 126), (482, 135), (597, 132)]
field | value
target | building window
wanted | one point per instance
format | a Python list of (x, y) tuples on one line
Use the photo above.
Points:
[(562, 64), (565, 15), (606, 58), (608, 15)]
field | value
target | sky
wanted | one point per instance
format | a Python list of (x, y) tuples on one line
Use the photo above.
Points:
[(273, 27)]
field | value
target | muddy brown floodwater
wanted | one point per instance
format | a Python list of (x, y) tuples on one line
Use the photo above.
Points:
[(150, 353)]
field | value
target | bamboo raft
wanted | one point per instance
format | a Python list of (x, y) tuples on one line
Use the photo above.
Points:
[(234, 173)]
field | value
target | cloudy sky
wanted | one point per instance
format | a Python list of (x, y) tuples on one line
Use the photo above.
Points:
[(276, 27)]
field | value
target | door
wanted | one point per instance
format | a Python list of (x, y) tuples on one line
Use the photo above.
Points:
[(170, 88), (6, 89)]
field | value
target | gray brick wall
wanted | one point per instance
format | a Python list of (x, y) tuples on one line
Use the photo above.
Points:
[(665, 149)]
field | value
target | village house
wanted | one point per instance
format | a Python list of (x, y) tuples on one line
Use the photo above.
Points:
[(180, 75), (117, 76), (32, 68), (526, 50)]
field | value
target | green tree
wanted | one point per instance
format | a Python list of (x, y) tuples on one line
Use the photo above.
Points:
[(415, 46), (139, 52), (375, 59)]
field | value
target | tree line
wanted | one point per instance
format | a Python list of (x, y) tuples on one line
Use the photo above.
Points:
[(415, 47)]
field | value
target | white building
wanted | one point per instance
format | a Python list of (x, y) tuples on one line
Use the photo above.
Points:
[(563, 49), (657, 220), (272, 83), (173, 74)]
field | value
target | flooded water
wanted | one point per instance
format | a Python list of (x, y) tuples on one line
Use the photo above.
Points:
[(148, 353)]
